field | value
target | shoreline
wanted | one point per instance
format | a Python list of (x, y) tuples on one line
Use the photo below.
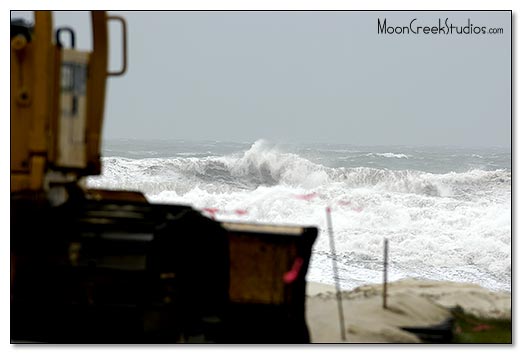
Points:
[(411, 303)]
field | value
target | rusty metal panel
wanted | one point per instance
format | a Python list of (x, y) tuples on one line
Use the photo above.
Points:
[(258, 263)]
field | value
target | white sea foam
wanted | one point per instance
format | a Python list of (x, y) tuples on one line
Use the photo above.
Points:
[(450, 226), (388, 154)]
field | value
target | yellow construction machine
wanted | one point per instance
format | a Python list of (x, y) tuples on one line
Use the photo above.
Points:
[(102, 266)]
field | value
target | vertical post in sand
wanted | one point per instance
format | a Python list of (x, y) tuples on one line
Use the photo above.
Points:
[(336, 276), (385, 276)]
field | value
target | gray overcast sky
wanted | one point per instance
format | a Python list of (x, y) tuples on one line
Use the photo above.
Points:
[(308, 76)]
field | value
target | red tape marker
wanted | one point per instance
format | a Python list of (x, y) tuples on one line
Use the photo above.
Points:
[(293, 273), (211, 210), (307, 196), (241, 212)]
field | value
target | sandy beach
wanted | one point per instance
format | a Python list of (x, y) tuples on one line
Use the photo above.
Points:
[(411, 303)]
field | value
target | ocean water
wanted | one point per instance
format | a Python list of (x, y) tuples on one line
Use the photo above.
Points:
[(446, 211)]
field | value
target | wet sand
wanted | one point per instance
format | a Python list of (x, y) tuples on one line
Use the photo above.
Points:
[(411, 303)]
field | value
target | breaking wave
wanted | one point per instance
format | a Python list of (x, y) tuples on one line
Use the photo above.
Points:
[(264, 164), (447, 226)]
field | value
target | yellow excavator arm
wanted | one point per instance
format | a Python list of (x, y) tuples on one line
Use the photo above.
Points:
[(57, 102)]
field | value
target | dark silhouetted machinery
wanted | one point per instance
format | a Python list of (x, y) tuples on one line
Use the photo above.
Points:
[(101, 266)]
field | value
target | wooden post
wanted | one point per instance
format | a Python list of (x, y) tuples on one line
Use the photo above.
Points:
[(385, 276), (336, 275)]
